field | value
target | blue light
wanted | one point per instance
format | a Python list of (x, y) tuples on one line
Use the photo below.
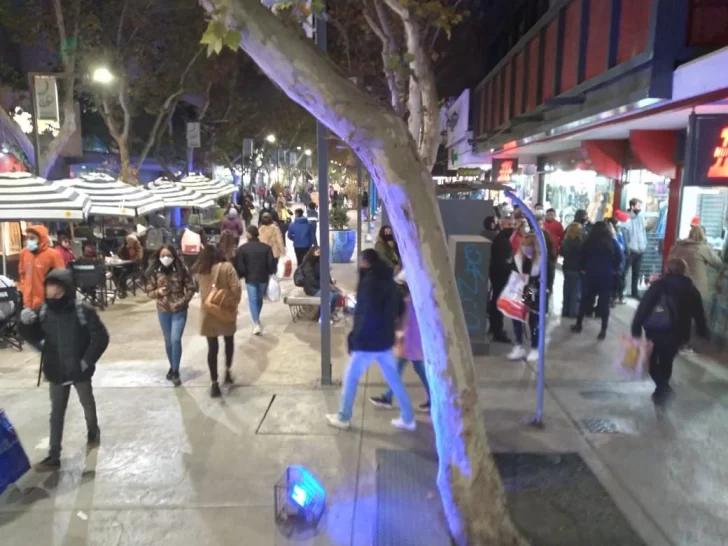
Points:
[(299, 496)]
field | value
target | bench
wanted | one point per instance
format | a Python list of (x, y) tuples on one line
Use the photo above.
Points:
[(301, 306)]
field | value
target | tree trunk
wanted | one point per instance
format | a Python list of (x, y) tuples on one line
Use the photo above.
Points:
[(127, 172), (472, 495)]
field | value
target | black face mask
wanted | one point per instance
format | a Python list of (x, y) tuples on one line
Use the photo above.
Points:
[(636, 211), (388, 237), (58, 304)]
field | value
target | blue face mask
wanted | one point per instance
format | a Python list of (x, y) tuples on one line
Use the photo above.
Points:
[(528, 252), (32, 245)]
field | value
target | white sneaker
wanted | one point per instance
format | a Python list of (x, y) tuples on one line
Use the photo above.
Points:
[(517, 353), (257, 330), (532, 355), (403, 425), (336, 422)]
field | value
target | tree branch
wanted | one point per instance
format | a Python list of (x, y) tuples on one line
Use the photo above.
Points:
[(121, 23)]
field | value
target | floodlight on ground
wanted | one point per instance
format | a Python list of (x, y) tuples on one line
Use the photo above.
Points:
[(102, 75), (299, 500), (271, 139)]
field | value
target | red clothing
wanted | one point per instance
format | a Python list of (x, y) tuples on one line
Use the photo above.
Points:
[(66, 254), (516, 239), (556, 230), (35, 266)]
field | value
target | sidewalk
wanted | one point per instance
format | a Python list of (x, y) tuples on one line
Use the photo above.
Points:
[(176, 467)]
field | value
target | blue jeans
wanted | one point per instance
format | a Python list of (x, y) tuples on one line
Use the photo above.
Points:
[(173, 326), (572, 294), (518, 328), (256, 293), (333, 298), (419, 366), (358, 364)]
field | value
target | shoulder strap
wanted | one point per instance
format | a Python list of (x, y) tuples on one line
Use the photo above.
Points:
[(216, 276), (80, 313)]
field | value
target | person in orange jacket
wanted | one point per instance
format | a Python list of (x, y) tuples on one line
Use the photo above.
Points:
[(37, 259)]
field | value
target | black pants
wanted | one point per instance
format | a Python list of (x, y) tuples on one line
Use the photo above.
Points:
[(634, 262), (664, 351), (495, 316), (590, 292), (213, 347), (59, 403), (301, 252), (518, 329)]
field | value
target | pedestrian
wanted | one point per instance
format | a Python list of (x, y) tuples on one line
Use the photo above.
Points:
[(522, 229), (386, 247), (636, 239), (698, 256), (133, 252), (170, 283), (312, 280), (270, 234), (267, 208), (73, 339), (232, 224), (378, 308), (501, 263), (192, 240), (407, 347), (615, 221), (227, 246), (601, 258), (255, 263), (571, 266), (64, 249), (36, 260), (665, 314), (246, 208), (303, 235), (527, 263), (553, 227), (213, 270), (365, 205)]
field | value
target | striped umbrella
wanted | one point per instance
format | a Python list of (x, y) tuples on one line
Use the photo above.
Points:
[(209, 188), (173, 194), (27, 197), (111, 197)]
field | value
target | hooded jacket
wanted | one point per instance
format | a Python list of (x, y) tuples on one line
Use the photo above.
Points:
[(71, 348), (233, 224), (302, 233), (271, 235), (378, 306), (34, 266), (698, 256), (501, 257)]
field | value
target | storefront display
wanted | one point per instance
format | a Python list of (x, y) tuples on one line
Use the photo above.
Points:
[(569, 191)]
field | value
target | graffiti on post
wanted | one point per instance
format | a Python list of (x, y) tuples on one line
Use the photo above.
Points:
[(471, 283)]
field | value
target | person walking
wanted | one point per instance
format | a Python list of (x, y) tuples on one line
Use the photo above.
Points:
[(500, 271), (618, 294), (527, 263), (64, 249), (378, 308), (302, 234), (255, 263), (270, 234), (170, 283), (386, 247), (554, 228), (601, 259), (232, 224), (571, 252), (267, 209), (636, 239), (228, 246), (192, 240), (36, 260), (698, 256), (665, 314), (73, 339), (407, 347), (312, 280), (214, 271)]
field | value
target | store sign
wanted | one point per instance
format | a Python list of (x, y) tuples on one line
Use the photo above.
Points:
[(46, 98), (504, 169), (706, 157), (469, 173)]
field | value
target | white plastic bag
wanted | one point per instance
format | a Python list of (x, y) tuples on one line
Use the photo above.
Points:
[(633, 357), (510, 302), (273, 293)]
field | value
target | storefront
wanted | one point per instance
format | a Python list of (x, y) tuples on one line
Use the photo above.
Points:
[(569, 191)]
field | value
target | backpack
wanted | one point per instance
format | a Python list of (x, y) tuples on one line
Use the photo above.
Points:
[(79, 313), (298, 278), (663, 314), (157, 237), (191, 243)]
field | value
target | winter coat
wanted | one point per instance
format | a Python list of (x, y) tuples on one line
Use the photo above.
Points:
[(680, 293), (179, 284), (311, 276), (227, 279), (388, 254), (70, 349), (501, 257), (698, 256), (302, 233), (273, 215), (571, 251), (378, 306), (409, 339), (34, 266), (66, 254), (531, 269), (600, 266), (271, 236), (515, 241), (232, 225), (556, 230), (132, 251), (254, 262)]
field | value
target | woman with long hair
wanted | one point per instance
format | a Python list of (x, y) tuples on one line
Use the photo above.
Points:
[(312, 279), (213, 270), (386, 247), (228, 245), (270, 233), (600, 261), (170, 283), (571, 251)]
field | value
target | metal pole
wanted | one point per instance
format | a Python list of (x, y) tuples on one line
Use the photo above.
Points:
[(34, 112), (358, 207), (538, 418), (3, 229), (323, 179)]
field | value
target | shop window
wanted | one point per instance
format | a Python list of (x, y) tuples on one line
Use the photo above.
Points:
[(569, 191)]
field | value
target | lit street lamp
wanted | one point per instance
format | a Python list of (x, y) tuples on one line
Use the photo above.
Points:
[(308, 152), (271, 138), (102, 75)]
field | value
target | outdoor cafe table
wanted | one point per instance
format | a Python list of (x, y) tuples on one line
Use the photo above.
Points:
[(110, 265)]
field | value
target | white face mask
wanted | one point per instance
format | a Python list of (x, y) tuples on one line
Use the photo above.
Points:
[(166, 261)]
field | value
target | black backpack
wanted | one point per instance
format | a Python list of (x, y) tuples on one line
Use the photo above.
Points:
[(663, 316), (298, 278)]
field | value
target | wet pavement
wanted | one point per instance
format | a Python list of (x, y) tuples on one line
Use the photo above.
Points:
[(175, 466)]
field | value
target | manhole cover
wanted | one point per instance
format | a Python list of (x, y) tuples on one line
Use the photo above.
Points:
[(600, 426)]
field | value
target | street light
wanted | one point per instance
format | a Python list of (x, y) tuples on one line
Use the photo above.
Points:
[(102, 75), (271, 138), (308, 152)]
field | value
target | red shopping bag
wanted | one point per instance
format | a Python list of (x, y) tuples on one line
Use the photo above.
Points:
[(510, 302)]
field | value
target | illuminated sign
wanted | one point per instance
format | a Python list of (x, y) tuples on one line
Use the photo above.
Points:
[(719, 169), (510, 145), (706, 154), (504, 169)]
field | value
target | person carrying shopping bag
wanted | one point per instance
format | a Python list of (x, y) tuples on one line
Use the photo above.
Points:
[(170, 283)]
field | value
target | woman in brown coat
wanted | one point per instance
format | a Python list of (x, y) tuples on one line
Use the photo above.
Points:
[(270, 234), (698, 254), (213, 270)]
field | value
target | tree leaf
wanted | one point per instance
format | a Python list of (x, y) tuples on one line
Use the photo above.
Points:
[(231, 40)]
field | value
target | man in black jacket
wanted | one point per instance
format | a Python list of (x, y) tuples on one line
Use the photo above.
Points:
[(255, 263), (501, 260), (73, 338), (378, 307)]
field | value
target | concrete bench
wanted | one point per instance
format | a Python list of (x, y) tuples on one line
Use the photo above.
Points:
[(301, 306)]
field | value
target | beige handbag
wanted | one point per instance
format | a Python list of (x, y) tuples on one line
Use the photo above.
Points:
[(220, 303)]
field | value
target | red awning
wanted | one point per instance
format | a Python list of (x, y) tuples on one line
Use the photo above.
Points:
[(606, 156), (655, 150)]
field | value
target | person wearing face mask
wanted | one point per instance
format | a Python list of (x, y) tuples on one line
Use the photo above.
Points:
[(270, 234), (312, 279), (386, 247), (37, 259), (522, 229), (501, 262), (636, 239), (73, 338), (527, 263), (268, 209), (171, 285), (64, 249)]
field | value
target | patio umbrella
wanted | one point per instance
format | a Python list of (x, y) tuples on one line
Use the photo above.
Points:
[(111, 197), (173, 194), (207, 187), (27, 197)]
